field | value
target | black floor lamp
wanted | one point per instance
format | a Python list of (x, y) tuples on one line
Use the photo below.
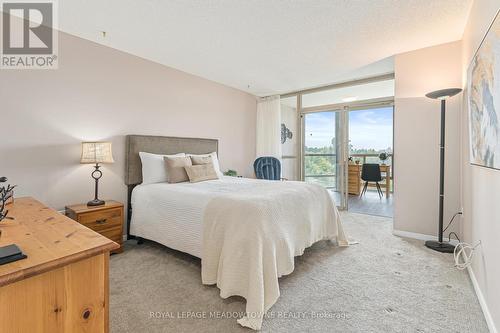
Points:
[(441, 95)]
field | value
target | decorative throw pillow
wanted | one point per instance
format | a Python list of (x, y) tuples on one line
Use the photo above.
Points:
[(215, 161), (201, 172), (153, 167), (175, 169), (200, 159)]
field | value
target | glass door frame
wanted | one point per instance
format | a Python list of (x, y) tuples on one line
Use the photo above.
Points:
[(345, 107), (341, 154), (344, 110), (389, 102)]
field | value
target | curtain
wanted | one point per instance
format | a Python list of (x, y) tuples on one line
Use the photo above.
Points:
[(269, 127)]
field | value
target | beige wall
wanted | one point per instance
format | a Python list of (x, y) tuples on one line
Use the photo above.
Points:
[(416, 137), (99, 93), (481, 186)]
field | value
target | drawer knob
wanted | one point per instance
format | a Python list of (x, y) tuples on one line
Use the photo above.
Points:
[(86, 314), (102, 221)]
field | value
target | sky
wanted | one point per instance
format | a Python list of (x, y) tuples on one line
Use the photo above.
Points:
[(367, 128)]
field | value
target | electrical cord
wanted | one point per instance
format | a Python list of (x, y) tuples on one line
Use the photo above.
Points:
[(466, 252), (448, 225), (451, 221), (463, 252), (456, 236)]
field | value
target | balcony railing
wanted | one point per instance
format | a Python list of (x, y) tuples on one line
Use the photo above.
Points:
[(362, 158)]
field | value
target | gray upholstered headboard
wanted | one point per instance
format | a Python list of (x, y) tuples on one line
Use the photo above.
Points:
[(165, 145)]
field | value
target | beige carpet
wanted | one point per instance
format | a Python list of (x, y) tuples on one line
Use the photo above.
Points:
[(383, 284)]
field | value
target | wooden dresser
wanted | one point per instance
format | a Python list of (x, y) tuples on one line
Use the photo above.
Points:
[(106, 219), (63, 284), (354, 180)]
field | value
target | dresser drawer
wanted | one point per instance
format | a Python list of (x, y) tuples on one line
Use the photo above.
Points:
[(102, 220), (353, 187)]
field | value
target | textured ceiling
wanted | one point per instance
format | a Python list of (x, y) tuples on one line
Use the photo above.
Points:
[(268, 46)]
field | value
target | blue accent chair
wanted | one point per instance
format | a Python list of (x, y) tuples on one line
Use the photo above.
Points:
[(267, 168)]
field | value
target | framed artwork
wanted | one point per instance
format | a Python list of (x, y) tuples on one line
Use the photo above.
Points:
[(483, 85)]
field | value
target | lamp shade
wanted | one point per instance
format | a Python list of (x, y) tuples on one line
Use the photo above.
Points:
[(96, 152), (443, 93)]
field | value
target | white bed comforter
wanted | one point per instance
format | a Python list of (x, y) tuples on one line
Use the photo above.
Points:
[(246, 231), (250, 238)]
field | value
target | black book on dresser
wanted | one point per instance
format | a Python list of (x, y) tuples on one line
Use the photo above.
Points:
[(10, 253)]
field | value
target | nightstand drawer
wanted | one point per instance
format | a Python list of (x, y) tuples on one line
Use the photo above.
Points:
[(115, 234), (102, 220)]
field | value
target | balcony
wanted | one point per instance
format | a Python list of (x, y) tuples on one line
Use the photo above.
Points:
[(321, 169)]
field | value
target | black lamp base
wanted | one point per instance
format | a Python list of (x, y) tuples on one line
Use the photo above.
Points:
[(440, 246), (96, 202), (97, 174)]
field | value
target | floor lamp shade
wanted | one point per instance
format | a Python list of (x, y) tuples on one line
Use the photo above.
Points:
[(442, 95), (96, 153)]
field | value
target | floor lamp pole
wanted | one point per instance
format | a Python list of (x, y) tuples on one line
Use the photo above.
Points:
[(442, 95), (441, 170)]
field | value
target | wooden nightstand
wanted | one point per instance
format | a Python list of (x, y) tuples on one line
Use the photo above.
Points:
[(106, 219)]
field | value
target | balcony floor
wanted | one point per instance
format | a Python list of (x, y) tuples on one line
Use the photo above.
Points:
[(370, 203)]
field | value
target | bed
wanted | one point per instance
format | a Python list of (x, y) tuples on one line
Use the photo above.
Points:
[(246, 231)]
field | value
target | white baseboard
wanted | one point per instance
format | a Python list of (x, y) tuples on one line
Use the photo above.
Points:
[(414, 235), (482, 301)]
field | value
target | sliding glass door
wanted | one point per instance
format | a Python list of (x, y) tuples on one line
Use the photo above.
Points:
[(325, 151), (335, 124)]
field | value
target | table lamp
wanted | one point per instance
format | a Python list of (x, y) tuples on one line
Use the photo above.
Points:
[(96, 153), (441, 95)]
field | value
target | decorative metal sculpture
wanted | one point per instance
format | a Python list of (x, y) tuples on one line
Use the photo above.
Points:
[(285, 133), (6, 193)]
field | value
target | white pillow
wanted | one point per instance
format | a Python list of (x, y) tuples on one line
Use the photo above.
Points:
[(215, 162), (153, 167)]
